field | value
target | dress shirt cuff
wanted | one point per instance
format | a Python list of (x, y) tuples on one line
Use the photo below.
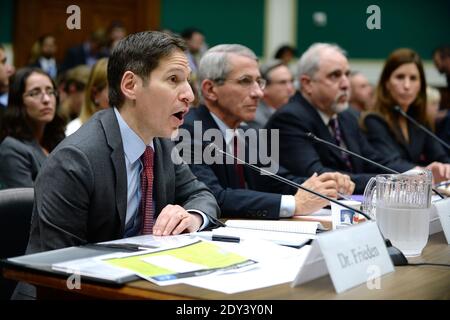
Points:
[(287, 206), (204, 217)]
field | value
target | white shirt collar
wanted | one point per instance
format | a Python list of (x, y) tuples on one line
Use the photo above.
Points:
[(133, 146), (227, 132), (325, 118)]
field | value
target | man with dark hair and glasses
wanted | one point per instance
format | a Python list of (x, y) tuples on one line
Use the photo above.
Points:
[(231, 86), (279, 88)]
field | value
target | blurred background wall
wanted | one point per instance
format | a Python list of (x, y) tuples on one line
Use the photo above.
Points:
[(263, 25)]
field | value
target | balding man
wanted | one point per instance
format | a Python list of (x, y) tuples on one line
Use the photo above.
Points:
[(320, 107), (279, 88)]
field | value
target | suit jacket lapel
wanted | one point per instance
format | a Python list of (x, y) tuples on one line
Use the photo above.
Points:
[(39, 155), (114, 139), (209, 123)]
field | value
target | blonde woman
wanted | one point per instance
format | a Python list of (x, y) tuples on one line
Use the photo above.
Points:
[(96, 95)]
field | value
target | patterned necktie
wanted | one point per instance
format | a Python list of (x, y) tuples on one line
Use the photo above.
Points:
[(146, 209), (238, 166), (334, 124)]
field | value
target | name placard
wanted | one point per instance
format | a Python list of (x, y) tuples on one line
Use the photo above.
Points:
[(442, 208), (351, 256)]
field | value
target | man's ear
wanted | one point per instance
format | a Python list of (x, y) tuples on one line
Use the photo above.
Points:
[(129, 84), (305, 83), (209, 90)]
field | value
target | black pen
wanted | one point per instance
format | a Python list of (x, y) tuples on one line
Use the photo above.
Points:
[(218, 237), (123, 246)]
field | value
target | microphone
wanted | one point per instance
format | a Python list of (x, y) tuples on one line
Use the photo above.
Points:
[(314, 137), (284, 180), (397, 257), (422, 127), (310, 135)]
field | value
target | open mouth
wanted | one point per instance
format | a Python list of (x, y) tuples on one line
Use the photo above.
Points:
[(179, 115)]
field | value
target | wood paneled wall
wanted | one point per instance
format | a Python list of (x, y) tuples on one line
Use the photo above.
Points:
[(34, 18)]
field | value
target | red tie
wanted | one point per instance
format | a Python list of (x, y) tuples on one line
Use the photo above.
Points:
[(238, 167), (146, 205)]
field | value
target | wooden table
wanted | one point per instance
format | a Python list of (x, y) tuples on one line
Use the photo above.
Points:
[(411, 282)]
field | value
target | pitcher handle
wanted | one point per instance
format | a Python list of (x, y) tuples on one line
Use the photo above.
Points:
[(369, 204)]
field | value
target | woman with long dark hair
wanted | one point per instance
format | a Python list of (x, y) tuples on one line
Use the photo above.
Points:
[(402, 83), (31, 128)]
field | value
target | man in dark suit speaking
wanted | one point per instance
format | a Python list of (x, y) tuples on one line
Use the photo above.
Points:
[(114, 177), (320, 107)]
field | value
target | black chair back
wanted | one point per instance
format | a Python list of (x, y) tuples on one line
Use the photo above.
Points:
[(16, 207)]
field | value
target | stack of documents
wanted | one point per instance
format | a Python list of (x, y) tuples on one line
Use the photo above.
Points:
[(287, 233), (168, 266), (214, 265), (276, 265), (309, 227)]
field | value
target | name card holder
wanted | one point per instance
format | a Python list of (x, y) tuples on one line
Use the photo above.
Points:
[(442, 208), (351, 256)]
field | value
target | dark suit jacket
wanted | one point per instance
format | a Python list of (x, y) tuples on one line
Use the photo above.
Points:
[(76, 56), (443, 130), (37, 64), (20, 162), (254, 202), (301, 156), (421, 149), (81, 191)]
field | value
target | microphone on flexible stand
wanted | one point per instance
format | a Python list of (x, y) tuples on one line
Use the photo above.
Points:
[(397, 257), (312, 136), (287, 181), (315, 138), (422, 127)]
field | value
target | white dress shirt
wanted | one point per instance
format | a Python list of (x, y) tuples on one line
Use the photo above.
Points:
[(134, 147), (287, 204)]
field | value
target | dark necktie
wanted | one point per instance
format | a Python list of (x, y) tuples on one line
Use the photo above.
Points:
[(238, 166), (146, 209), (334, 125)]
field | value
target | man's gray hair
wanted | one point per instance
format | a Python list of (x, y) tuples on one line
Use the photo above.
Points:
[(268, 66), (214, 64), (308, 63)]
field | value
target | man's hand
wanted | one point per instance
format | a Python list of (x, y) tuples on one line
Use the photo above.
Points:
[(307, 203), (173, 220), (441, 171), (344, 184)]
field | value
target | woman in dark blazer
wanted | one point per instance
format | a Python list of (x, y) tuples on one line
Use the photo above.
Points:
[(30, 129), (402, 83)]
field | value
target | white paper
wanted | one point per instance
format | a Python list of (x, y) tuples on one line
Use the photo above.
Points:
[(157, 241), (277, 265), (442, 209), (351, 254), (93, 267), (281, 238), (278, 225)]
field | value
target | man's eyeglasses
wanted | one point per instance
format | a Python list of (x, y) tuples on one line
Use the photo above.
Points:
[(247, 82), (37, 93)]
